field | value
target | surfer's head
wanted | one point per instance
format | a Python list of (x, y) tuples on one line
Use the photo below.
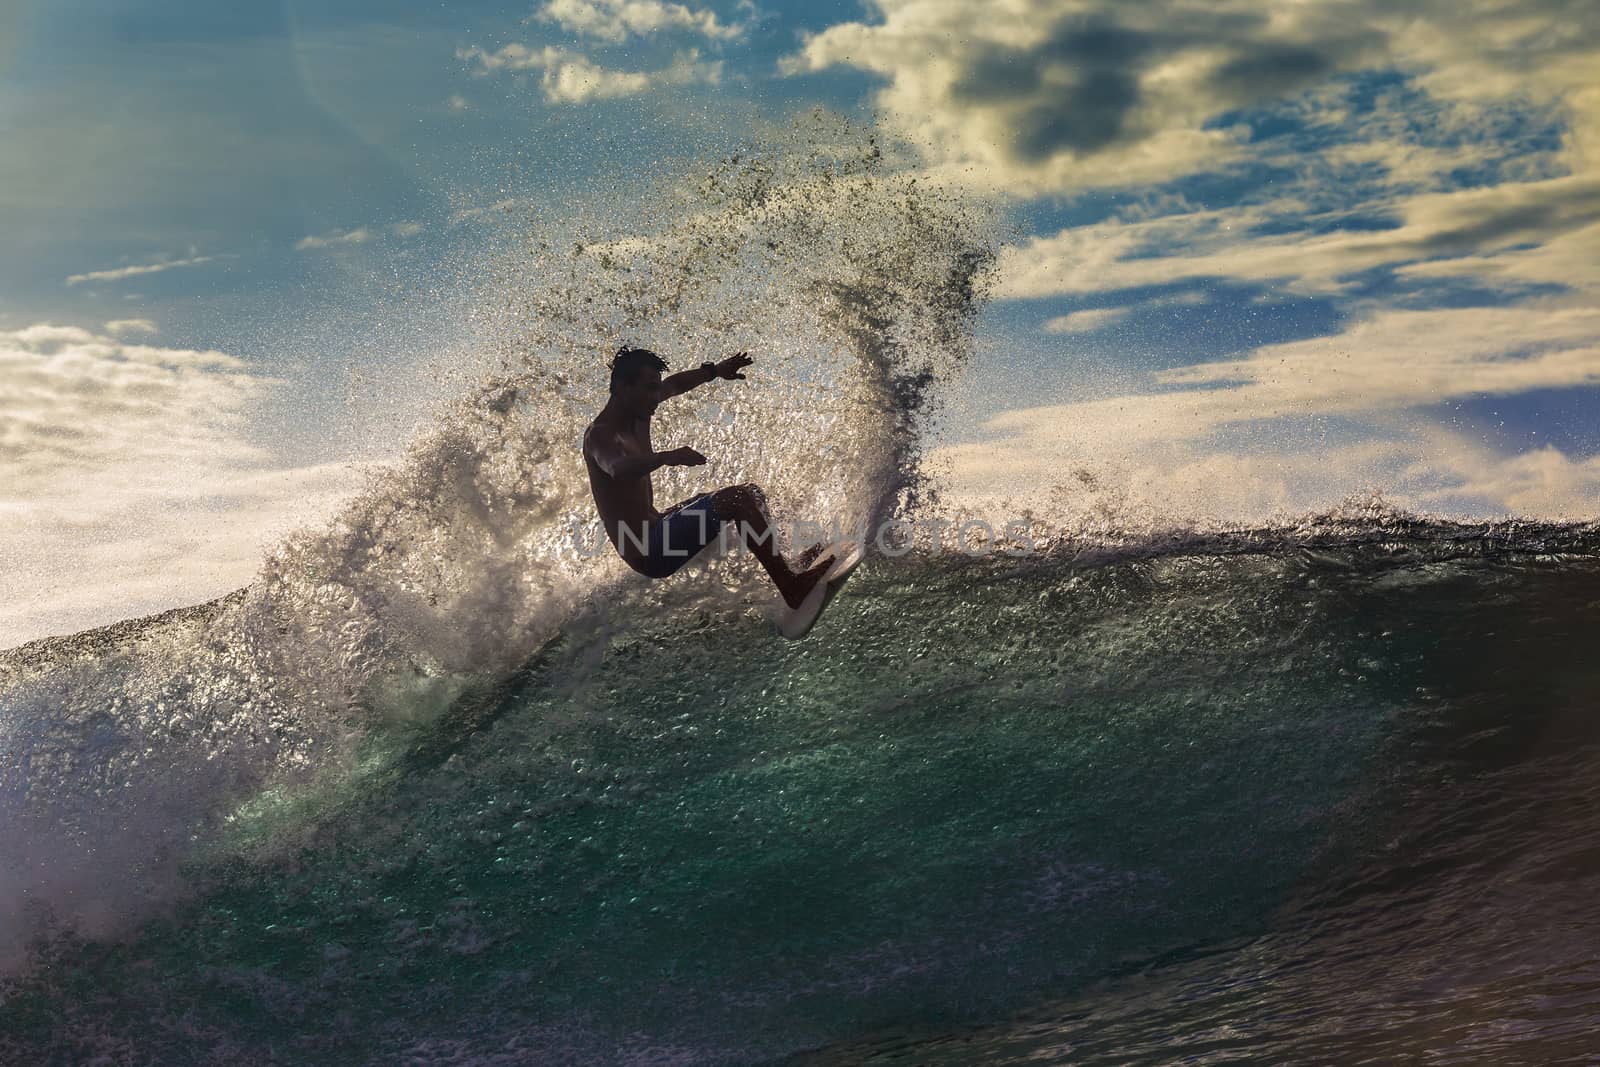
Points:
[(636, 379)]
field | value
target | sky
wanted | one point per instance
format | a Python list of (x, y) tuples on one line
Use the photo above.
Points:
[(1262, 257)]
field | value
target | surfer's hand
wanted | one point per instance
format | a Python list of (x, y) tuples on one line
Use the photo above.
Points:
[(683, 457), (730, 367)]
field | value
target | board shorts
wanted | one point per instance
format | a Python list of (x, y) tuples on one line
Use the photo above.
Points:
[(679, 536)]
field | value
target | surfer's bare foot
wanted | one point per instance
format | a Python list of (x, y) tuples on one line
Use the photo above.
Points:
[(801, 584)]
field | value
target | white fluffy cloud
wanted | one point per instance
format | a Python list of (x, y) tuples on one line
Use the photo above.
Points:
[(75, 400), (130, 483), (571, 78), (1425, 468), (359, 236), (617, 20), (1036, 95), (1391, 361), (1033, 96), (1219, 438), (1177, 449)]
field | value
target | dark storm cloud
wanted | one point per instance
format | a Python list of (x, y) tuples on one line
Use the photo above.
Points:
[(1087, 76), (1090, 115), (1271, 70), (1080, 88)]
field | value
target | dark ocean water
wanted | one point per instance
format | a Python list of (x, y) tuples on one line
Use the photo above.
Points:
[(1269, 797)]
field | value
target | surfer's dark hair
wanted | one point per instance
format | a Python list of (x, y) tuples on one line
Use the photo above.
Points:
[(629, 362)]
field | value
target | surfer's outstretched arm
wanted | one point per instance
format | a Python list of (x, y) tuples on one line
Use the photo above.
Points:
[(683, 381), (746, 505)]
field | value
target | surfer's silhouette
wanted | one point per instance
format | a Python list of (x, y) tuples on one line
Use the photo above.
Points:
[(620, 458)]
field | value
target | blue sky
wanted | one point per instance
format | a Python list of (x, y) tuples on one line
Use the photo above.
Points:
[(1264, 256)]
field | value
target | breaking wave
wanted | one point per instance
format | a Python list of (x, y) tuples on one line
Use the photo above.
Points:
[(440, 787)]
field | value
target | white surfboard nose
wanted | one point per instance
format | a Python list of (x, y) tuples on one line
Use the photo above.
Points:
[(795, 623)]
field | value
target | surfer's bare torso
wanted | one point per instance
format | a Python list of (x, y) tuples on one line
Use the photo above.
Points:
[(624, 493)]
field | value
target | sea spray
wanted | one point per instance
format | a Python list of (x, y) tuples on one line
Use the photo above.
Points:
[(855, 288)]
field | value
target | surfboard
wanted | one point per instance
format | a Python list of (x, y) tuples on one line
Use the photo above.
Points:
[(795, 623)]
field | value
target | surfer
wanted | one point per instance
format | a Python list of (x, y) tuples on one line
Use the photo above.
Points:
[(620, 458)]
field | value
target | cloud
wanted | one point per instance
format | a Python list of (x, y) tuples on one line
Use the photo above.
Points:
[(1472, 225), (131, 484), (1426, 468), (118, 273), (1389, 361), (1400, 359), (156, 541), (359, 236), (1176, 437), (1468, 167), (74, 400), (121, 327), (1092, 319), (617, 20), (1040, 96), (335, 237), (462, 214), (1566, 260), (1086, 321), (572, 78)]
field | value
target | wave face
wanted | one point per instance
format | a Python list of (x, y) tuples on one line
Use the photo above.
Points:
[(1292, 794)]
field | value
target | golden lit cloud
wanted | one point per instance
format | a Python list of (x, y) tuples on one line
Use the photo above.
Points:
[(123, 327), (1085, 321), (1039, 96), (130, 484), (1163, 446), (570, 78), (617, 20), (1472, 224), (1426, 468)]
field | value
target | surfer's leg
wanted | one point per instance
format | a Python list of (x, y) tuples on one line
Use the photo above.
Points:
[(746, 505)]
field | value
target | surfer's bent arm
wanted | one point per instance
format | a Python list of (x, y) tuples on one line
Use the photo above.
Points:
[(609, 455)]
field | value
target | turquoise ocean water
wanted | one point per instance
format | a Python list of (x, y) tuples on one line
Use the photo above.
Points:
[(1310, 794)]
